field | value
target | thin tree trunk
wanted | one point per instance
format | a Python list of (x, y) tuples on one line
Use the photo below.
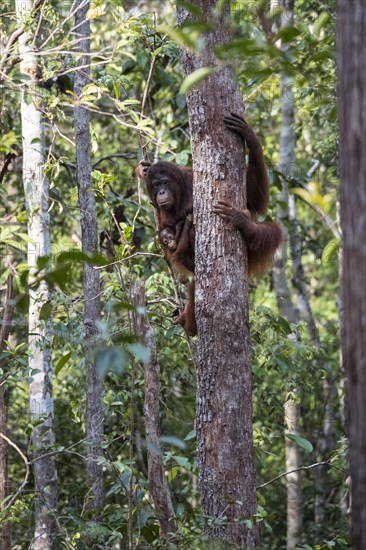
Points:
[(40, 337), (224, 380), (91, 281), (292, 413), (302, 309), (289, 311), (5, 536), (158, 483), (293, 480), (351, 50), (285, 305)]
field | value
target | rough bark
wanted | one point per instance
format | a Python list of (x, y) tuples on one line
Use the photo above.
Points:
[(158, 483), (224, 380), (351, 53), (5, 535), (91, 280), (40, 336)]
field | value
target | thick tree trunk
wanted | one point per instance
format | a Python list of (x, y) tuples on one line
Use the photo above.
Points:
[(40, 337), (224, 392), (91, 282), (351, 36), (158, 483)]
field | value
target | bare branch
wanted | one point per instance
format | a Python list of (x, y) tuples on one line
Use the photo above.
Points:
[(303, 468), (15, 36), (26, 477)]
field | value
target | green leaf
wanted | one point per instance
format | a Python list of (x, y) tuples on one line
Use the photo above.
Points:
[(27, 239), (62, 362), (182, 461), (173, 440), (173, 473), (191, 8), (320, 23), (150, 533), (182, 158), (46, 311), (282, 365), (288, 34), (142, 353), (285, 327), (194, 78), (76, 255), (188, 35), (191, 435), (180, 101), (43, 261), (331, 250), (113, 359), (300, 441)]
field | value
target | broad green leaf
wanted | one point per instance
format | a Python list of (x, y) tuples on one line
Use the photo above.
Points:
[(194, 78), (173, 440), (286, 328), (191, 435), (76, 255), (111, 358), (142, 353), (288, 34), (46, 311), (300, 441), (182, 461)]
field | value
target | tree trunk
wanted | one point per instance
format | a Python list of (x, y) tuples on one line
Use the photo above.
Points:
[(5, 535), (91, 282), (40, 337), (287, 165), (158, 483), (351, 34), (224, 380)]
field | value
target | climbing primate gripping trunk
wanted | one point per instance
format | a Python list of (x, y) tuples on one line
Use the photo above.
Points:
[(224, 392)]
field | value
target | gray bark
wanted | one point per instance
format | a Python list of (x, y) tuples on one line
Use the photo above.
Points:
[(40, 338), (292, 413), (301, 309), (8, 310), (351, 54), (224, 380), (158, 483), (91, 280)]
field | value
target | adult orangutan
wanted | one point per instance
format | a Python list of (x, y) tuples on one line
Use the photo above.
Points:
[(170, 188)]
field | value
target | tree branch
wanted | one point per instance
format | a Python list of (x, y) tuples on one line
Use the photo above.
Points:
[(303, 468), (26, 477), (14, 37), (9, 157)]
